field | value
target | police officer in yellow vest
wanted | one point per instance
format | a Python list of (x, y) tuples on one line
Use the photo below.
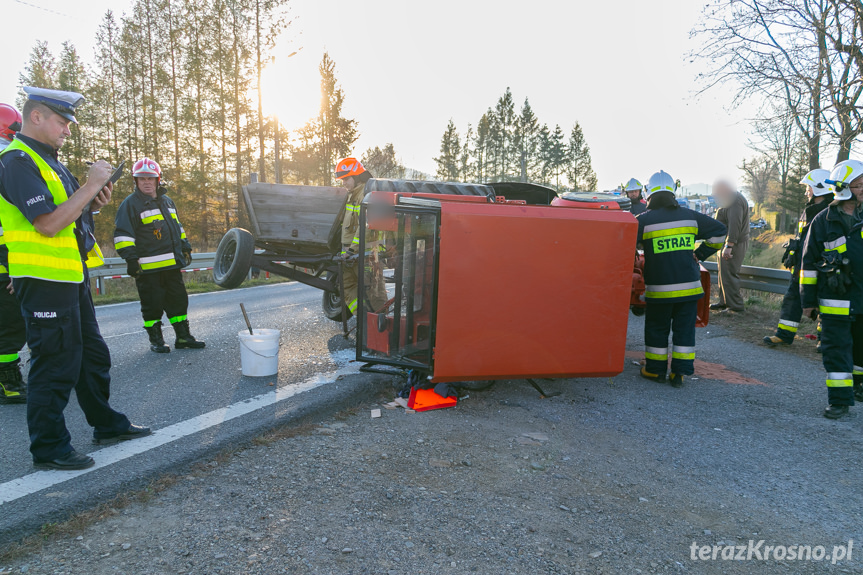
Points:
[(47, 223)]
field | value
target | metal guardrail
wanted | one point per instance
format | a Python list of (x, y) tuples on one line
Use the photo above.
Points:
[(754, 278), (115, 268)]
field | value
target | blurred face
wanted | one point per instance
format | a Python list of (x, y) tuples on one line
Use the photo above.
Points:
[(810, 193), (348, 183), (723, 194), (147, 185), (633, 194), (47, 127)]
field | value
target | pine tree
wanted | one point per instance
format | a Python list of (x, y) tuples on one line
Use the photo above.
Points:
[(383, 163), (72, 77), (40, 71), (578, 168), (448, 162)]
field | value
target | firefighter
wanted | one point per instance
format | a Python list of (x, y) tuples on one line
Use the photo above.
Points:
[(819, 194), (48, 227), (633, 190), (354, 176), (667, 232), (831, 278), (149, 236), (13, 334)]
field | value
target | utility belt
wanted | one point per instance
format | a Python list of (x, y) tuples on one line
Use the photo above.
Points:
[(836, 269)]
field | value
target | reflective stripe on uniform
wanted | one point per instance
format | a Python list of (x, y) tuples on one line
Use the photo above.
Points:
[(155, 262), (673, 290), (839, 379), (121, 242), (353, 306), (151, 216), (178, 319), (788, 325), (808, 277), (355, 241), (352, 208), (834, 306), (715, 242), (857, 369), (151, 322), (836, 245), (670, 229), (8, 357), (682, 352), (657, 353)]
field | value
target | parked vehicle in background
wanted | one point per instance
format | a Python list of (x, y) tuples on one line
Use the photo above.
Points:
[(684, 202)]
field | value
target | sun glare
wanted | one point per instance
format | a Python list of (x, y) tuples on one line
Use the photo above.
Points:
[(291, 89)]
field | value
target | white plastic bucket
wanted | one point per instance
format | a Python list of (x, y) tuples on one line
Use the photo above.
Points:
[(259, 353)]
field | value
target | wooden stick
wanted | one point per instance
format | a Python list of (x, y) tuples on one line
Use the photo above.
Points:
[(246, 317)]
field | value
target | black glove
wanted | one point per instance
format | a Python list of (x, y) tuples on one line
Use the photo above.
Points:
[(133, 268), (187, 255)]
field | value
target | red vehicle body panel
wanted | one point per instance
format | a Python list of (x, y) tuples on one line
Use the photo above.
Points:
[(532, 291)]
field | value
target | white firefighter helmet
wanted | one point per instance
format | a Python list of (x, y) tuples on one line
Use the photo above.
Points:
[(660, 182), (842, 175), (633, 185), (816, 180)]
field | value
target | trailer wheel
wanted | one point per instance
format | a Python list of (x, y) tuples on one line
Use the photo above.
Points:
[(332, 303), (233, 258)]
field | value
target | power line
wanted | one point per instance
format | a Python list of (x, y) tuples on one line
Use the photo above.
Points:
[(42, 8)]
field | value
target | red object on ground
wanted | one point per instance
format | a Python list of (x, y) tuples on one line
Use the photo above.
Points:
[(427, 399)]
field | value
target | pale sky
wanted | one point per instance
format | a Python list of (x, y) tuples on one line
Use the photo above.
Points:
[(618, 68)]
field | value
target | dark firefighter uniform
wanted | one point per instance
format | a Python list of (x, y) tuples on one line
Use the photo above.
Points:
[(150, 238), (791, 311), (53, 288), (668, 234), (835, 289), (13, 335)]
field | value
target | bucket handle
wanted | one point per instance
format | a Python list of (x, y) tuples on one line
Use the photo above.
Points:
[(244, 344)]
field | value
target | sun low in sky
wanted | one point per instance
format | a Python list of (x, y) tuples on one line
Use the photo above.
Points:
[(619, 69)]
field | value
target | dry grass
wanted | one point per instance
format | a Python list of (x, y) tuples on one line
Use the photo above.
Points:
[(760, 319)]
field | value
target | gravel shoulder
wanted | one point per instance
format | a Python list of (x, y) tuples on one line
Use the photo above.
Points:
[(614, 475)]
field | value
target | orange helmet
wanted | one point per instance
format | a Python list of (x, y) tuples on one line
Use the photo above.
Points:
[(348, 167)]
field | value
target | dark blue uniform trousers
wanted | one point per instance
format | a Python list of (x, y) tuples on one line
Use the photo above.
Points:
[(12, 331), (67, 352), (791, 311), (677, 318), (842, 355)]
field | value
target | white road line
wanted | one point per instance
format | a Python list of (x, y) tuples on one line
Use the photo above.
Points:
[(39, 480), (122, 334)]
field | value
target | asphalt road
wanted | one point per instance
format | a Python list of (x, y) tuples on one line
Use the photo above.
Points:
[(750, 425), (182, 391)]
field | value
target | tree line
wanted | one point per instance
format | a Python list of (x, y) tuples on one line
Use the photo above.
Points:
[(506, 145), (180, 82), (803, 60)]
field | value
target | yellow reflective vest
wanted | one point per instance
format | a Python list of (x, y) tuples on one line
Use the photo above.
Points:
[(32, 254)]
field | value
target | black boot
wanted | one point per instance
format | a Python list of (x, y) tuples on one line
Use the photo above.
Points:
[(157, 342), (185, 340), (12, 386), (836, 411)]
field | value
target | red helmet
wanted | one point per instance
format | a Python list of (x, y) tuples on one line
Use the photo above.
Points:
[(348, 167), (146, 168), (10, 121)]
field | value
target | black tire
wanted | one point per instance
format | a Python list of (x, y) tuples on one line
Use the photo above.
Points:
[(233, 258), (332, 303)]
